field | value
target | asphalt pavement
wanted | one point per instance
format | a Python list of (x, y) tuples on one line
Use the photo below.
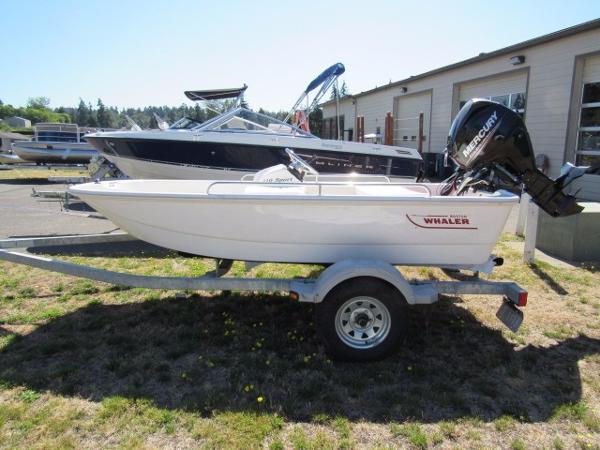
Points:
[(22, 215)]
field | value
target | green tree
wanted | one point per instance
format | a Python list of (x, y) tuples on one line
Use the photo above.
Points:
[(114, 118), (38, 102), (82, 116), (102, 116), (315, 121), (334, 93), (92, 120), (199, 113), (340, 92), (344, 90), (152, 124), (7, 111)]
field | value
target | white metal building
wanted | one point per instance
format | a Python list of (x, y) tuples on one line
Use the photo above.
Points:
[(553, 80), (16, 121)]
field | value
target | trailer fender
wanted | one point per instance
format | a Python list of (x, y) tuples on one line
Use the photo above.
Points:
[(352, 268)]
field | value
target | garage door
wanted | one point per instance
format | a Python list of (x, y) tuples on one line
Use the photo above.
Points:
[(591, 69), (506, 89), (406, 120)]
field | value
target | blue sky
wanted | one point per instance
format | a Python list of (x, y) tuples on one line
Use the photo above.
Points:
[(136, 53)]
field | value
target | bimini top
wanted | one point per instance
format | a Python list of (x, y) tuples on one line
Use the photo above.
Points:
[(215, 94)]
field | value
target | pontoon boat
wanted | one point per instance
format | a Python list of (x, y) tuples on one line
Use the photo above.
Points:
[(61, 143)]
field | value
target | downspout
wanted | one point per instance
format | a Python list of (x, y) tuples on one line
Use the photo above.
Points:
[(337, 109), (355, 101)]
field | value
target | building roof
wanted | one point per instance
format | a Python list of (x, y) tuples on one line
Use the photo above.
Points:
[(586, 26)]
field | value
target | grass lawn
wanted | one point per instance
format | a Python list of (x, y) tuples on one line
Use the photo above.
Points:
[(35, 174), (84, 364)]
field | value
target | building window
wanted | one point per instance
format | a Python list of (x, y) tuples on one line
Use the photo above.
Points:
[(502, 99), (515, 101), (588, 136)]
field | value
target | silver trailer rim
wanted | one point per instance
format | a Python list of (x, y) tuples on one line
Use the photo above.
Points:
[(362, 322)]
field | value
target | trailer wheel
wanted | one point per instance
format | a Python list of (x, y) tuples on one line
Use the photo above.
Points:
[(362, 319)]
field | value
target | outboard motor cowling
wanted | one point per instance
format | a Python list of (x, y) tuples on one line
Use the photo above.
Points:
[(488, 137)]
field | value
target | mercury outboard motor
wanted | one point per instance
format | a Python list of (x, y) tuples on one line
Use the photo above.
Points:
[(489, 141)]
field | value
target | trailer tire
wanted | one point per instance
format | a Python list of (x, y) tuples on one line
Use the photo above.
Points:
[(362, 319)]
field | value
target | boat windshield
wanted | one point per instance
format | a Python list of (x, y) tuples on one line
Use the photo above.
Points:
[(244, 120), (185, 123)]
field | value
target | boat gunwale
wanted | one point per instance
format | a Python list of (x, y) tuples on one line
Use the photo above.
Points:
[(500, 196)]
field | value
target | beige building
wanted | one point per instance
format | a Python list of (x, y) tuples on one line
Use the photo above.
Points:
[(16, 121), (552, 80)]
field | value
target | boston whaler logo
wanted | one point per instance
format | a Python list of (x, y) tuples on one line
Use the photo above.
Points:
[(483, 135), (443, 221)]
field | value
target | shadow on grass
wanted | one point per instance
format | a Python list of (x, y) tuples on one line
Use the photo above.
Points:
[(107, 249), (221, 353), (547, 278), (591, 266)]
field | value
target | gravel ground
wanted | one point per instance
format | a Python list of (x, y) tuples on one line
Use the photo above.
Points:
[(23, 215)]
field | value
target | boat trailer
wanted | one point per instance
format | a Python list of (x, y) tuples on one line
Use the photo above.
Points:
[(360, 303), (99, 168)]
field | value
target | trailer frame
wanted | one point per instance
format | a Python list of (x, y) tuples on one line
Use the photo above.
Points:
[(350, 273)]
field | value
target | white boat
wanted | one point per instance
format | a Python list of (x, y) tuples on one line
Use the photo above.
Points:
[(314, 222), (240, 141), (283, 219), (58, 143)]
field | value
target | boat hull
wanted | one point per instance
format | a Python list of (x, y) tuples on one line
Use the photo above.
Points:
[(225, 158), (299, 228), (10, 158), (55, 152), (147, 170)]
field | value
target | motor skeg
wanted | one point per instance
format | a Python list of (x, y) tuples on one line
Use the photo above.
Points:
[(486, 134)]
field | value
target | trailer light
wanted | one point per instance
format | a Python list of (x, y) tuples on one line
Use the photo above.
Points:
[(294, 296), (522, 299)]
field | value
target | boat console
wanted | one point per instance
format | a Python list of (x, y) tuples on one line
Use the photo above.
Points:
[(490, 144)]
